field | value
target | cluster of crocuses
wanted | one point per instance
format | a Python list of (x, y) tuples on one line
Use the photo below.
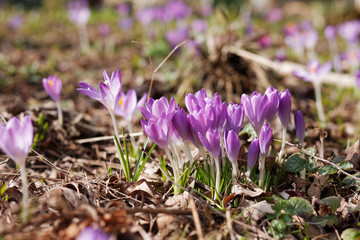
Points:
[(214, 126)]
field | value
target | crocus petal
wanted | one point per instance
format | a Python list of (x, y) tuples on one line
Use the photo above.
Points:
[(265, 139), (106, 96), (253, 154), (299, 125), (284, 109), (232, 145)]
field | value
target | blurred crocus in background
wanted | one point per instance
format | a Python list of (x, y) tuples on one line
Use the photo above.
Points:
[(15, 21), (264, 41), (314, 73), (330, 33), (176, 36), (53, 86), (79, 14), (274, 15), (16, 139), (93, 233)]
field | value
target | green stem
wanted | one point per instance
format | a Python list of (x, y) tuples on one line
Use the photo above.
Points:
[(84, 39), (25, 190), (117, 138)]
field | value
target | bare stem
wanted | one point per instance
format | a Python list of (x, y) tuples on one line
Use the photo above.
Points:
[(175, 170), (319, 107), (218, 178), (25, 190), (281, 153), (84, 39), (235, 169), (60, 114), (262, 171)]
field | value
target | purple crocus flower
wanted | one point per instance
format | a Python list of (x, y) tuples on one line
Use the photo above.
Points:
[(284, 108), (52, 85), (16, 139), (177, 9), (253, 155), (265, 139), (160, 108), (310, 38), (281, 54), (315, 71), (145, 16), (211, 142), (104, 29), (206, 9), (128, 104), (16, 21), (123, 9), (290, 29), (199, 26), (232, 145), (264, 41), (256, 109), (126, 23), (79, 12), (92, 233), (299, 125), (195, 102), (235, 117), (175, 37), (330, 33), (273, 103), (357, 76), (274, 15), (296, 42), (349, 31), (181, 123), (109, 90), (157, 130)]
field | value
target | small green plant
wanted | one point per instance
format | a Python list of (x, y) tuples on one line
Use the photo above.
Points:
[(42, 130)]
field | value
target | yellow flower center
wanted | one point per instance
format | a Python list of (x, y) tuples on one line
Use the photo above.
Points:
[(50, 83), (121, 102)]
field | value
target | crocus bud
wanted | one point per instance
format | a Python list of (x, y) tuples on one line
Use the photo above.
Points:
[(235, 117), (253, 154), (92, 233), (284, 108), (16, 138), (273, 103), (232, 145), (180, 122), (265, 139), (52, 86), (256, 109), (211, 142), (299, 125)]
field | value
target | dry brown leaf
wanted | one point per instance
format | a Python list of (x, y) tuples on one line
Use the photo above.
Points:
[(242, 189), (258, 210), (353, 154), (141, 186), (316, 186)]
